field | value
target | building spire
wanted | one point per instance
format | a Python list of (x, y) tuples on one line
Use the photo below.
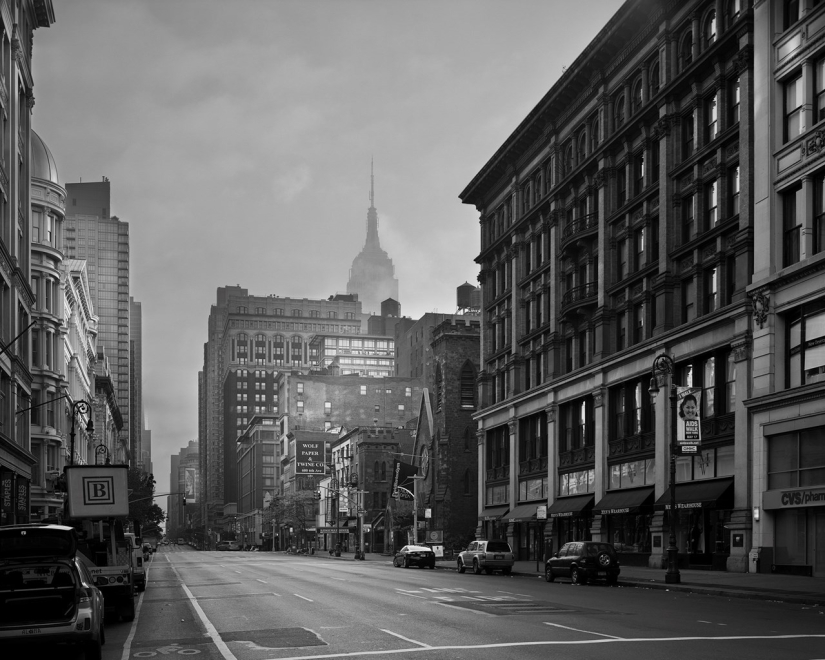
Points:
[(372, 213)]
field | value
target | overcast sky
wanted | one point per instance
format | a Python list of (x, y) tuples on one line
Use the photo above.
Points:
[(237, 136)]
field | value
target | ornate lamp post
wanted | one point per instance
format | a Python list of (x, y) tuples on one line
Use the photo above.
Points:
[(663, 364), (81, 406)]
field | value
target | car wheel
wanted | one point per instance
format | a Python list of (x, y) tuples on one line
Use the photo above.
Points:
[(548, 575), (476, 567), (406, 562), (92, 650), (577, 576), (461, 566)]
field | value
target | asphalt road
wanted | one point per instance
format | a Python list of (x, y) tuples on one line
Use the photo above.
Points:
[(256, 606)]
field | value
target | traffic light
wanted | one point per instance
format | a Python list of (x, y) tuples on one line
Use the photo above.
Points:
[(183, 500), (317, 494)]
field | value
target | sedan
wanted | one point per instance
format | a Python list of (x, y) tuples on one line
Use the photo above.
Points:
[(414, 555)]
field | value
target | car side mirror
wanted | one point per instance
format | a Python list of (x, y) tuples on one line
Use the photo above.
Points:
[(556, 555)]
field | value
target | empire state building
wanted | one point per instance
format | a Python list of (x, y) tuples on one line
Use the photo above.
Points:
[(372, 275)]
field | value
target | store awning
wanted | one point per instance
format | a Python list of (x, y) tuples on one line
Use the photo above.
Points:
[(568, 507), (492, 513), (624, 501), (522, 512), (715, 494)]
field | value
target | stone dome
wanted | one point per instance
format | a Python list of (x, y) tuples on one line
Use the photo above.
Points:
[(43, 163)]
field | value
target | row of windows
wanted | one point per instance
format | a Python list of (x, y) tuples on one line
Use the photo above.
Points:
[(278, 311)]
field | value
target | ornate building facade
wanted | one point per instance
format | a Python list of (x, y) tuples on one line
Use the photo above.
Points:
[(617, 225)]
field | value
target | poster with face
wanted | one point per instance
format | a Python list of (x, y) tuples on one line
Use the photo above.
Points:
[(688, 423)]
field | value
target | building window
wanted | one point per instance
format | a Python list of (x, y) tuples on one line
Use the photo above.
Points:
[(711, 205), (594, 134), (619, 111), (654, 79), (806, 345), (363, 390), (688, 218), (314, 313), (634, 411), (709, 32), (734, 9), (688, 301), (792, 223), (621, 253), (621, 331), (638, 323), (790, 14), (636, 98), (796, 459), (621, 187), (686, 50), (819, 213), (639, 174), (377, 409), (467, 386), (688, 134), (639, 248), (408, 391), (734, 102), (711, 118), (578, 427), (299, 387), (401, 408), (794, 95), (733, 187), (711, 290), (300, 407), (327, 407)]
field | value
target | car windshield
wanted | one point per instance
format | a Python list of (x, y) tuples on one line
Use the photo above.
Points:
[(498, 546), (594, 549)]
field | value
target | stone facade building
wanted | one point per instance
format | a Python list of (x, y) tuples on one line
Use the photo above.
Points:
[(617, 225)]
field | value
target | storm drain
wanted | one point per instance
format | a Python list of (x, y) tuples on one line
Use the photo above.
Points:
[(277, 638), (512, 607)]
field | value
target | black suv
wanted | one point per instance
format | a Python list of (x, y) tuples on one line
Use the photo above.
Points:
[(582, 561)]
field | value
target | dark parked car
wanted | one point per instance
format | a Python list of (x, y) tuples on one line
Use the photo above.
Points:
[(414, 555), (47, 594), (582, 561)]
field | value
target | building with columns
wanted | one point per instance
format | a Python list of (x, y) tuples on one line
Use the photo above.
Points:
[(617, 225)]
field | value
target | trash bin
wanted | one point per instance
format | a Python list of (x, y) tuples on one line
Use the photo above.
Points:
[(753, 561)]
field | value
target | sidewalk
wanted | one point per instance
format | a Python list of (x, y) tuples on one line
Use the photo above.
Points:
[(784, 588)]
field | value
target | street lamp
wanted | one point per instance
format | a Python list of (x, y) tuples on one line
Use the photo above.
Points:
[(81, 406), (663, 364)]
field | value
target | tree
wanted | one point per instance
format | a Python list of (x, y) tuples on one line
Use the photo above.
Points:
[(142, 508)]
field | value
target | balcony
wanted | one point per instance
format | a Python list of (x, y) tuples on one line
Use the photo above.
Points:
[(587, 225), (533, 466), (580, 297), (582, 456), (498, 473), (633, 444)]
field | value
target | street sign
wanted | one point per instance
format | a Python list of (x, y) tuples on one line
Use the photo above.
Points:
[(541, 512), (361, 512)]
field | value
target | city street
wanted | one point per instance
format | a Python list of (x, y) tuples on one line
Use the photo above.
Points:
[(252, 606)]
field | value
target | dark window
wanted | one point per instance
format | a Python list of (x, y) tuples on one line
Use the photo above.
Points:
[(796, 459), (792, 223), (468, 386), (794, 95), (734, 102), (654, 79), (619, 111), (578, 425), (639, 248), (688, 218), (711, 278), (638, 174), (686, 50), (634, 411), (790, 13), (806, 345), (709, 33), (819, 213), (636, 98), (711, 118), (621, 187), (638, 323), (621, 253), (688, 301), (688, 135), (621, 331), (733, 188), (711, 205)]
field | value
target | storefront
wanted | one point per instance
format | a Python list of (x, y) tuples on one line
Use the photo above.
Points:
[(703, 508), (570, 519), (526, 532), (799, 530), (626, 516), (490, 524)]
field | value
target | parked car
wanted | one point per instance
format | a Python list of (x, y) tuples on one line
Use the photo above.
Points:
[(138, 558), (227, 545), (582, 561), (414, 555), (181, 541), (47, 594), (487, 556)]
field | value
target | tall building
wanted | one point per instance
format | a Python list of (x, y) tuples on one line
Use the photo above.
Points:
[(137, 429), (183, 470), (617, 226), (372, 275), (100, 238), (17, 463), (787, 395), (250, 339)]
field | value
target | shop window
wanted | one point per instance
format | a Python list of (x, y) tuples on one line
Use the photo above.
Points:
[(806, 345), (796, 459), (707, 464), (577, 483), (633, 474)]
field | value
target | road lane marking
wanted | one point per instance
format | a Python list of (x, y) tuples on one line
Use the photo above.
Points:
[(515, 594), (583, 642), (340, 579), (406, 639), (587, 632), (127, 647), (210, 629), (262, 581), (309, 600)]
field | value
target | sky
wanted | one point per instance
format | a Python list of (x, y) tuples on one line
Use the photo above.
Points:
[(238, 136)]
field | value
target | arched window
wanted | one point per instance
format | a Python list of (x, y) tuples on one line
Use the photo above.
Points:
[(654, 79), (636, 98), (595, 134), (619, 111), (568, 159), (686, 50), (709, 30), (383, 471), (582, 146), (468, 385), (376, 474)]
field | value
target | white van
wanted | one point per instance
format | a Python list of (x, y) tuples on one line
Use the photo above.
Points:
[(137, 561)]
